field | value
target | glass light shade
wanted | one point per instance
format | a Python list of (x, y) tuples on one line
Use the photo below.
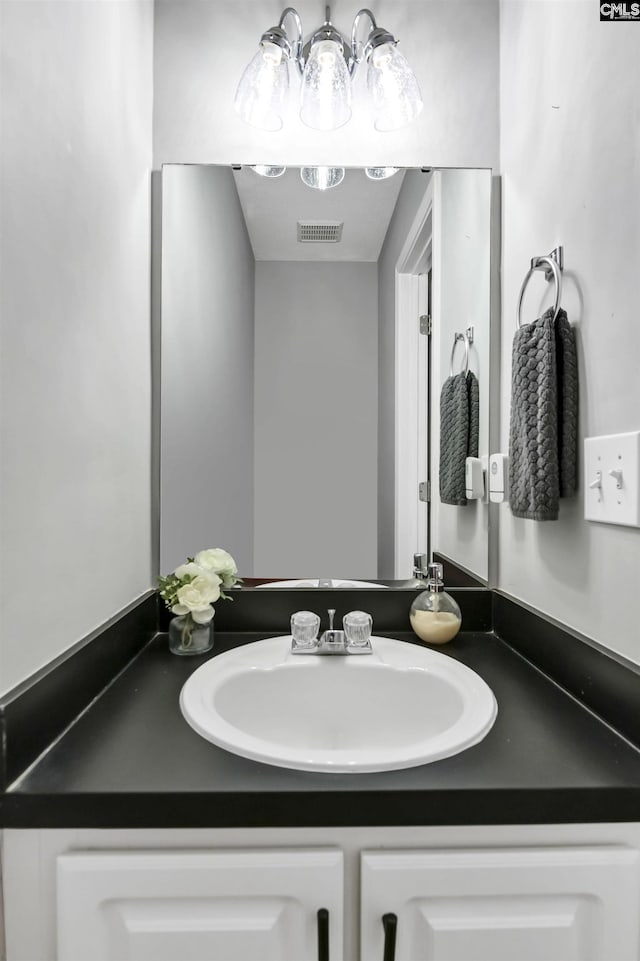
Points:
[(393, 88), (325, 95), (266, 171), (380, 173), (322, 178), (263, 88)]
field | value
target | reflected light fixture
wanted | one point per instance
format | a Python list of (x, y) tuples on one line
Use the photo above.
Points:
[(325, 67), (322, 178), (380, 173), (265, 171)]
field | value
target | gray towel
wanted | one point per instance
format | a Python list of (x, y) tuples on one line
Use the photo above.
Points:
[(544, 417), (459, 429)]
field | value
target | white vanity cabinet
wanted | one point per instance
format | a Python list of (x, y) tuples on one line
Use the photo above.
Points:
[(494, 893)]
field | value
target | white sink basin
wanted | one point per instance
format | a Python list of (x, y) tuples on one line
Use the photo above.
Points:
[(399, 707), (317, 582)]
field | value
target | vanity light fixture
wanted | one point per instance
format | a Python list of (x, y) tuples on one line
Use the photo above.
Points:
[(325, 94), (262, 92), (325, 67)]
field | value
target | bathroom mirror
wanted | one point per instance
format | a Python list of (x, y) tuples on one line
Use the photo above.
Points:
[(299, 382)]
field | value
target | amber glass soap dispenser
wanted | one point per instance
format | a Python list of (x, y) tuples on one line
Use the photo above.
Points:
[(434, 616)]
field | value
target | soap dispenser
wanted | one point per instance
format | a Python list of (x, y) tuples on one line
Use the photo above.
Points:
[(434, 616)]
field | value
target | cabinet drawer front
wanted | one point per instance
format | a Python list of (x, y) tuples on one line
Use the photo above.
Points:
[(197, 905), (544, 904)]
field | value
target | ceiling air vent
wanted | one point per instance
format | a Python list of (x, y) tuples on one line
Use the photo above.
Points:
[(319, 232)]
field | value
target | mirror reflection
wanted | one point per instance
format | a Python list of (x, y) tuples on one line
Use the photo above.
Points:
[(306, 338)]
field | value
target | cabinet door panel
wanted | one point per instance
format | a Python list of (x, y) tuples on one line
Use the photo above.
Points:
[(197, 905), (549, 904), (195, 929)]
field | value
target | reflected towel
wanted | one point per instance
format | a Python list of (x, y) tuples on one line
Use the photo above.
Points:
[(459, 432), (544, 417)]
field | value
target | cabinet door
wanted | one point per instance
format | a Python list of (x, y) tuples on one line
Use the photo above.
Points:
[(545, 904), (257, 905)]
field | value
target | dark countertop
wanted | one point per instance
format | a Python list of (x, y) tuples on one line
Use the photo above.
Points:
[(130, 760)]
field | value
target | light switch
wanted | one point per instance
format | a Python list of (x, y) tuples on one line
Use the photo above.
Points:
[(612, 479)]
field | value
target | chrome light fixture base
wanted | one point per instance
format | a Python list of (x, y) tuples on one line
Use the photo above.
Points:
[(291, 47)]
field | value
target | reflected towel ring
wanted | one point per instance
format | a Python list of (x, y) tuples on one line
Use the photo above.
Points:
[(456, 338), (552, 266)]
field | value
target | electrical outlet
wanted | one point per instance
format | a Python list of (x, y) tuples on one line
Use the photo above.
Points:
[(612, 479)]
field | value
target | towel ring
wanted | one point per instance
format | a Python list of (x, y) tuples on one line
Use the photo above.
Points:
[(456, 338), (552, 266)]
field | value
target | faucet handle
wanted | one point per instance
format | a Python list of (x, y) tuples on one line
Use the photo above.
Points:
[(357, 628), (304, 629)]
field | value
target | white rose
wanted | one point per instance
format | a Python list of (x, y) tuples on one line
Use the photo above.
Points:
[(220, 562), (203, 616), (190, 570), (194, 598)]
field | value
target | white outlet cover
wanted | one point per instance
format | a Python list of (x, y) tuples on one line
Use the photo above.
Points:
[(608, 503)]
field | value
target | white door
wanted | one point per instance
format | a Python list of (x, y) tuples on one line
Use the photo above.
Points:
[(425, 427), (259, 905), (546, 904), (412, 390)]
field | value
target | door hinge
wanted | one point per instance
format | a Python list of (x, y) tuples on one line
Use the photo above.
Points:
[(426, 324), (424, 491)]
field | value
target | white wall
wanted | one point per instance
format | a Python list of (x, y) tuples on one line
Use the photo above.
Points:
[(316, 404), (570, 162), (207, 368), (75, 427), (202, 47), (461, 277)]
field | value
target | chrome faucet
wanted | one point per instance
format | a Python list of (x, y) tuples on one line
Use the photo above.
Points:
[(332, 641)]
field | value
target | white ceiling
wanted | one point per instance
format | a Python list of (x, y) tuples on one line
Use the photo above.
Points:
[(273, 206)]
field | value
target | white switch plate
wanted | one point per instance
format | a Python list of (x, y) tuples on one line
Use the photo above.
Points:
[(498, 478), (604, 500), (474, 479)]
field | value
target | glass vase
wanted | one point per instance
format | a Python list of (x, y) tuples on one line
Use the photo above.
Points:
[(188, 637)]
